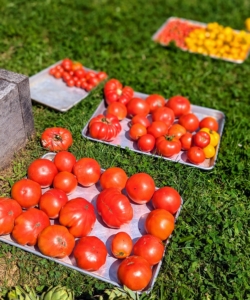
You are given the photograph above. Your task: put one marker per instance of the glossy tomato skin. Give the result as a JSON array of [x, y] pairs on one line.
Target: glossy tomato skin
[[134, 272], [164, 114], [201, 139], [79, 216], [209, 122], [42, 171], [157, 128], [141, 119], [114, 208], [140, 188], [186, 141], [179, 104], [168, 145], [90, 253], [154, 101], [117, 109], [167, 198], [121, 245], [52, 201], [64, 161], [26, 192], [113, 177], [65, 181], [190, 121], [137, 106], [160, 223], [146, 143], [29, 225], [56, 139], [56, 241], [136, 131], [114, 91], [150, 247], [196, 155], [87, 171], [10, 209], [177, 130]]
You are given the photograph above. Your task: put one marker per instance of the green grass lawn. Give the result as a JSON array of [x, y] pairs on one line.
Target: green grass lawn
[[208, 256]]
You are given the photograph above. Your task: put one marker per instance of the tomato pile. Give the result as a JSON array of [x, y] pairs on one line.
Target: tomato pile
[[75, 75]]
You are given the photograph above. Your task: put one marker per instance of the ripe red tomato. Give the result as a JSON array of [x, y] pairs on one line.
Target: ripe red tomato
[[56, 139], [136, 131], [209, 122], [56, 241], [117, 109], [140, 187], [29, 225], [134, 272], [90, 253], [179, 104], [157, 128], [189, 121], [52, 201], [64, 161], [146, 143], [154, 101], [79, 216], [87, 171], [160, 223], [102, 75], [177, 130], [137, 106], [201, 139], [42, 171], [168, 145], [10, 209], [65, 181], [26, 192], [114, 208], [186, 141], [67, 64], [164, 114], [150, 247], [114, 91], [113, 177], [167, 198], [196, 155], [140, 119], [121, 245], [70, 83]]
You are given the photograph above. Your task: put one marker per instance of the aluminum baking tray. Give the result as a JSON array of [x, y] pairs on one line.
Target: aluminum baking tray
[[200, 24], [135, 229], [123, 140], [54, 93]]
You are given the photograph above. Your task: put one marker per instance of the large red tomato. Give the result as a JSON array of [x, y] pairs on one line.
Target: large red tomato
[[114, 91], [117, 109], [52, 201], [56, 241], [154, 101], [79, 216], [157, 128], [177, 130], [42, 171], [190, 121], [29, 225], [56, 139], [64, 161], [87, 171], [26, 192], [168, 145], [179, 104], [201, 139], [114, 208], [137, 106], [196, 155], [146, 143], [65, 181], [141, 119], [134, 272], [186, 141], [150, 247], [164, 114], [121, 245], [90, 253], [10, 209], [167, 198], [136, 131], [140, 187], [113, 177], [209, 122]]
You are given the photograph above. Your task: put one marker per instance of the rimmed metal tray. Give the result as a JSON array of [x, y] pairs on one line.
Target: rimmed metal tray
[[135, 229], [123, 140], [54, 93], [158, 32]]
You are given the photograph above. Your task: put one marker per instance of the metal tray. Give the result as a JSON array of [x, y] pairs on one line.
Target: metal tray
[[52, 92], [155, 35], [135, 228], [123, 140]]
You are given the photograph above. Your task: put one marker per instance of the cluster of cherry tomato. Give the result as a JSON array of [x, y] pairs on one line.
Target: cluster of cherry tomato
[[75, 75]]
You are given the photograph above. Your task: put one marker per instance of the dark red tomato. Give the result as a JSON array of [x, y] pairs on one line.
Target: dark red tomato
[[10, 209], [186, 141], [89, 75], [79, 216], [56, 139], [177, 131], [164, 114], [209, 122], [134, 272], [154, 101], [136, 131], [201, 139], [196, 155], [52, 201], [65, 181], [90, 253], [114, 208], [168, 145], [140, 187], [117, 109], [167, 198], [56, 241], [93, 81], [140, 119], [150, 247], [42, 171], [26, 192], [102, 75], [127, 95], [29, 225], [157, 128], [121, 245], [67, 64], [87, 171], [179, 104], [146, 143], [189, 121], [64, 161], [113, 177], [79, 73], [137, 106]]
